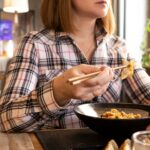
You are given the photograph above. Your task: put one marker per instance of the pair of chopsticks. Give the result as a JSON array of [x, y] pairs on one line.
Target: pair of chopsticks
[[79, 79]]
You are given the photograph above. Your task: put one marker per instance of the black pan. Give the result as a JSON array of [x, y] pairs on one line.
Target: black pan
[[123, 128]]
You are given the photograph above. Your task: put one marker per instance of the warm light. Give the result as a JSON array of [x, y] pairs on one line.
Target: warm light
[[19, 6], [9, 48]]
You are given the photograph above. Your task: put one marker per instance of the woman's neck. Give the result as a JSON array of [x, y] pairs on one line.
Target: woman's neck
[[84, 36], [84, 26]]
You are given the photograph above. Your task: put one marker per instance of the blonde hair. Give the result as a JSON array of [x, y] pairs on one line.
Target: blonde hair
[[56, 15]]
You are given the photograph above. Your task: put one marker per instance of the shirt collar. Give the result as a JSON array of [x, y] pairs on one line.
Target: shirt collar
[[100, 33]]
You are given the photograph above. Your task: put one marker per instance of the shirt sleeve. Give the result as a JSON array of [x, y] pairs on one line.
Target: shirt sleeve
[[137, 87], [22, 102]]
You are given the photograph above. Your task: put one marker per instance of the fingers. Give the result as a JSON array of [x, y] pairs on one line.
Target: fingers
[[90, 92], [95, 86], [89, 68], [103, 78], [99, 90], [86, 90]]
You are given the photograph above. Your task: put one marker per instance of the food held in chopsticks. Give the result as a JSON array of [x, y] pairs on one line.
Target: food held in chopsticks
[[79, 79], [128, 71], [116, 114]]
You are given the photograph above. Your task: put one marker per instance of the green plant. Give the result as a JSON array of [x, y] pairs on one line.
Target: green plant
[[146, 59], [145, 48]]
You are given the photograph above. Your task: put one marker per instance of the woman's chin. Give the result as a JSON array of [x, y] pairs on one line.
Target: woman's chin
[[101, 14]]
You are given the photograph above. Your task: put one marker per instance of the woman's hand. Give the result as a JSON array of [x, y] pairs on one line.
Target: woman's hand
[[64, 91]]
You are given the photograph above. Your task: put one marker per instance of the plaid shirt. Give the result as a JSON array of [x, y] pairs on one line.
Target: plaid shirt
[[27, 102]]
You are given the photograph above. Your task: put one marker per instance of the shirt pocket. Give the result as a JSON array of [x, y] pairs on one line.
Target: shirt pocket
[[50, 74]]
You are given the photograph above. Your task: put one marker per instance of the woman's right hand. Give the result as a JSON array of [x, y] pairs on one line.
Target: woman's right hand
[[87, 90]]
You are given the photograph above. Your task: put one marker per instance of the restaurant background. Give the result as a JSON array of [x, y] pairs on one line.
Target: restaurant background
[[130, 18], [25, 22]]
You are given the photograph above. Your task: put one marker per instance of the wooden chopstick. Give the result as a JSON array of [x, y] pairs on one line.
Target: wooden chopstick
[[79, 79]]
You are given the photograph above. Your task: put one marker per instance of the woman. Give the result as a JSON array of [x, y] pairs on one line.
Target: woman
[[77, 39]]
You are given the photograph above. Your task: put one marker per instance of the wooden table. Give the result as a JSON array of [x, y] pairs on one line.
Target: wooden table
[[60, 139], [20, 141]]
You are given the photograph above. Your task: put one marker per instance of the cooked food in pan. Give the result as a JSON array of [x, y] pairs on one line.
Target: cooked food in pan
[[116, 114]]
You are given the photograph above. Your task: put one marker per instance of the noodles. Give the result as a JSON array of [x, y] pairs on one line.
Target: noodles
[[116, 114]]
